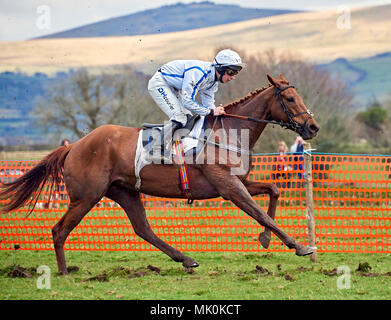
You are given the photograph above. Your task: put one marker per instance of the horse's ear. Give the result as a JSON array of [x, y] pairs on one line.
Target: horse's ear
[[282, 78], [272, 81]]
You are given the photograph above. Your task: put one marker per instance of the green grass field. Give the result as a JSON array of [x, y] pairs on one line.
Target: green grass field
[[124, 275], [221, 276]]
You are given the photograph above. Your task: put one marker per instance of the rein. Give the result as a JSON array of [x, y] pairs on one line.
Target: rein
[[219, 145], [287, 125]]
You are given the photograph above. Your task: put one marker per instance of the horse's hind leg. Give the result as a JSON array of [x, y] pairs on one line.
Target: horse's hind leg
[[75, 213], [255, 188], [131, 203]]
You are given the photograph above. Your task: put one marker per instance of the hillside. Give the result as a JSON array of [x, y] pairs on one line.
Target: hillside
[[170, 18], [367, 78], [314, 35], [18, 93], [361, 56]]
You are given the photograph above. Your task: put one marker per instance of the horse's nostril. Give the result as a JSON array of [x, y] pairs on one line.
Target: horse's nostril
[[314, 128]]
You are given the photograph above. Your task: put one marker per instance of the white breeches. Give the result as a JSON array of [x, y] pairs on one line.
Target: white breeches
[[167, 98]]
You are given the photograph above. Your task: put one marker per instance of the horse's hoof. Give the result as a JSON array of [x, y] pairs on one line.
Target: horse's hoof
[[63, 272], [304, 251], [190, 263], [264, 239]]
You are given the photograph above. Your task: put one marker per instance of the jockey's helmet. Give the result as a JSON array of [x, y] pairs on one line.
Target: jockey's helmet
[[227, 59]]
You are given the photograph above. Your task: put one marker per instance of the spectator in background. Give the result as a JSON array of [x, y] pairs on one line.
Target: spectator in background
[[282, 150], [282, 165], [65, 142], [298, 149], [298, 146]]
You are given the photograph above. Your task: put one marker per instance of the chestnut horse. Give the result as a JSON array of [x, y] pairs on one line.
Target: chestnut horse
[[102, 164]]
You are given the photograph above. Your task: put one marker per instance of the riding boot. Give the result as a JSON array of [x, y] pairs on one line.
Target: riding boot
[[165, 148], [167, 137]]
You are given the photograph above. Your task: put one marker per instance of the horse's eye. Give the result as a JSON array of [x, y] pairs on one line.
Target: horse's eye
[[290, 99]]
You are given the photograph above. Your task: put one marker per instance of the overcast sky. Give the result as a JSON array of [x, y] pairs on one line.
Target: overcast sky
[[20, 19]]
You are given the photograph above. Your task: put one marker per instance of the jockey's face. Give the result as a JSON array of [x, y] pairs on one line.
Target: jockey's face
[[227, 78]]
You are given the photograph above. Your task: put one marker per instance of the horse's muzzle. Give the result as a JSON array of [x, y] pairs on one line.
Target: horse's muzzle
[[309, 131]]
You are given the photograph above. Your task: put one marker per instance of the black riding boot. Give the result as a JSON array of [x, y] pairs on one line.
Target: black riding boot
[[168, 135], [164, 151]]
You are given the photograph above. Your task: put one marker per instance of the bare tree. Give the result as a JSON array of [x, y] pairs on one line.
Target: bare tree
[[85, 101]]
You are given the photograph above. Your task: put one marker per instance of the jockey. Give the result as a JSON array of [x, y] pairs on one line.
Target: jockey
[[176, 84]]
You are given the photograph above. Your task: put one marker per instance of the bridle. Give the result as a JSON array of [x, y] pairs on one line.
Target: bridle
[[291, 124]]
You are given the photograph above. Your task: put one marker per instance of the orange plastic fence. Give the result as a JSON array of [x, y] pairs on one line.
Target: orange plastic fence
[[352, 208]]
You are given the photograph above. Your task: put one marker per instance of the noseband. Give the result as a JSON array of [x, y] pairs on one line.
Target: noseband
[[292, 124]]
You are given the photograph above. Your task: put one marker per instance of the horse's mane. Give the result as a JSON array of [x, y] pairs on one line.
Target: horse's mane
[[245, 98]]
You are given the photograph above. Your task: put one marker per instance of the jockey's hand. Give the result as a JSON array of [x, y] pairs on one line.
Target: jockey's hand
[[218, 111]]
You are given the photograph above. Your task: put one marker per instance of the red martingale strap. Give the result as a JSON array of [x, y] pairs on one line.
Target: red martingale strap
[[183, 173]]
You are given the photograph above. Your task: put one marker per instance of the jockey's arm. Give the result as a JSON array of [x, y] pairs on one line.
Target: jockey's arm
[[207, 97], [190, 88]]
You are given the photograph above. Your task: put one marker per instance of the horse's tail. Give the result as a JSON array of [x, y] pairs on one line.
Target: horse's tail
[[28, 187]]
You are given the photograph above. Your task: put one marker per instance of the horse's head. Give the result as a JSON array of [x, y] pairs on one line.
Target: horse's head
[[288, 107]]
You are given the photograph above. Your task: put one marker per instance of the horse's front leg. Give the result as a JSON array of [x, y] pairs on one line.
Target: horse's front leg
[[230, 187], [255, 188]]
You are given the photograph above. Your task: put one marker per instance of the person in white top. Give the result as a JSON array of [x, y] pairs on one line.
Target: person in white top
[[176, 84]]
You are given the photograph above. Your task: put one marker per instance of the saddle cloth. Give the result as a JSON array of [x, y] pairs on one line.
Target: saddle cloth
[[191, 144]]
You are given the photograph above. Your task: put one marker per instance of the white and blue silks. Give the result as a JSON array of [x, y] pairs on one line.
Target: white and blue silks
[[176, 85]]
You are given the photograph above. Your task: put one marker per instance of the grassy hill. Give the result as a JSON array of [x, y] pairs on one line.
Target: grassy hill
[[368, 78], [314, 35], [170, 18], [18, 92]]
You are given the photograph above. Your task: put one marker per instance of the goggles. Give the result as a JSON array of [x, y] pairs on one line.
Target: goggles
[[231, 72]]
